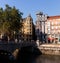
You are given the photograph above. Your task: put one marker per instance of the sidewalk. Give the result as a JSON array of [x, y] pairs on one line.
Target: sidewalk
[[50, 45]]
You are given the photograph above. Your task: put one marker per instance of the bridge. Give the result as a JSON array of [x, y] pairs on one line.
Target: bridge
[[53, 49], [13, 46]]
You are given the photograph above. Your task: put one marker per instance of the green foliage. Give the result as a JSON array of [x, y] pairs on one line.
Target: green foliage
[[10, 19]]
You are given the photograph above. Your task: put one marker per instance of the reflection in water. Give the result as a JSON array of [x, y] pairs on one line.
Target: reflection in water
[[26, 56], [48, 59], [41, 59]]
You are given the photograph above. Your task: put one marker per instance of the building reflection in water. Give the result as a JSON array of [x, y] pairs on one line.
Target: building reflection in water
[[41, 59], [28, 57], [48, 59], [25, 56]]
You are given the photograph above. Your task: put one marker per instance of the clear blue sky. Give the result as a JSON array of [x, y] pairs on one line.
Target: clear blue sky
[[50, 7]]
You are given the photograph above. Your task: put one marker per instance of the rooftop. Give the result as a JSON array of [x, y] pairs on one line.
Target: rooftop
[[54, 17]]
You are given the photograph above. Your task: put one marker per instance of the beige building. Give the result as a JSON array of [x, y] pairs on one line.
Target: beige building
[[27, 28]]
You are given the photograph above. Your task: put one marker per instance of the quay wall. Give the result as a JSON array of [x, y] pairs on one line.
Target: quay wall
[[51, 49]]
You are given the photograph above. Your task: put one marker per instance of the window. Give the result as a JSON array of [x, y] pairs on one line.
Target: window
[[48, 27], [30, 32], [54, 31], [48, 23], [52, 27], [52, 23], [56, 35], [56, 22], [48, 31], [56, 27]]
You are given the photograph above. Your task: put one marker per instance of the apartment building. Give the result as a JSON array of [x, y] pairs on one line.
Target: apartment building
[[53, 28], [27, 28], [40, 28], [49, 26]]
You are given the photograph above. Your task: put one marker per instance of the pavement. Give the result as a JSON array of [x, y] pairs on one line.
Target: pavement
[[50, 45]]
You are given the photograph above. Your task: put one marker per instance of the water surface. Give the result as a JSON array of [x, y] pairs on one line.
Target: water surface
[[47, 59]]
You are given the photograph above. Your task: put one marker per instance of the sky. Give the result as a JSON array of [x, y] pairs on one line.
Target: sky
[[50, 7]]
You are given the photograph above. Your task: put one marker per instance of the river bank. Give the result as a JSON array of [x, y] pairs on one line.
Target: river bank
[[50, 49]]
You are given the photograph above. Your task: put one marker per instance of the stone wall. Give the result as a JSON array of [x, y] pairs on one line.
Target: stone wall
[[52, 49]]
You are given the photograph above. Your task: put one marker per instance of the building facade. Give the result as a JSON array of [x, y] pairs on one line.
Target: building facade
[[27, 29], [47, 28], [41, 26], [53, 28]]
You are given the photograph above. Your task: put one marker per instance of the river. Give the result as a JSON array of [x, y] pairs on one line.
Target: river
[[27, 56], [47, 59], [41, 59]]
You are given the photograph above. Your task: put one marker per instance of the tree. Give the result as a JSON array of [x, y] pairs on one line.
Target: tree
[[10, 20], [1, 19]]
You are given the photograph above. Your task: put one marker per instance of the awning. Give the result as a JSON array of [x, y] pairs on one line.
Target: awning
[[49, 38]]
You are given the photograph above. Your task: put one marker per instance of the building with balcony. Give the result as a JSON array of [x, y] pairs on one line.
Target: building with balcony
[[41, 26], [47, 28], [27, 28], [53, 28]]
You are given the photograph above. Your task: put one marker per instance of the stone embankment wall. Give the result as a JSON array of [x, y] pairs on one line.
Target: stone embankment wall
[[52, 49]]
